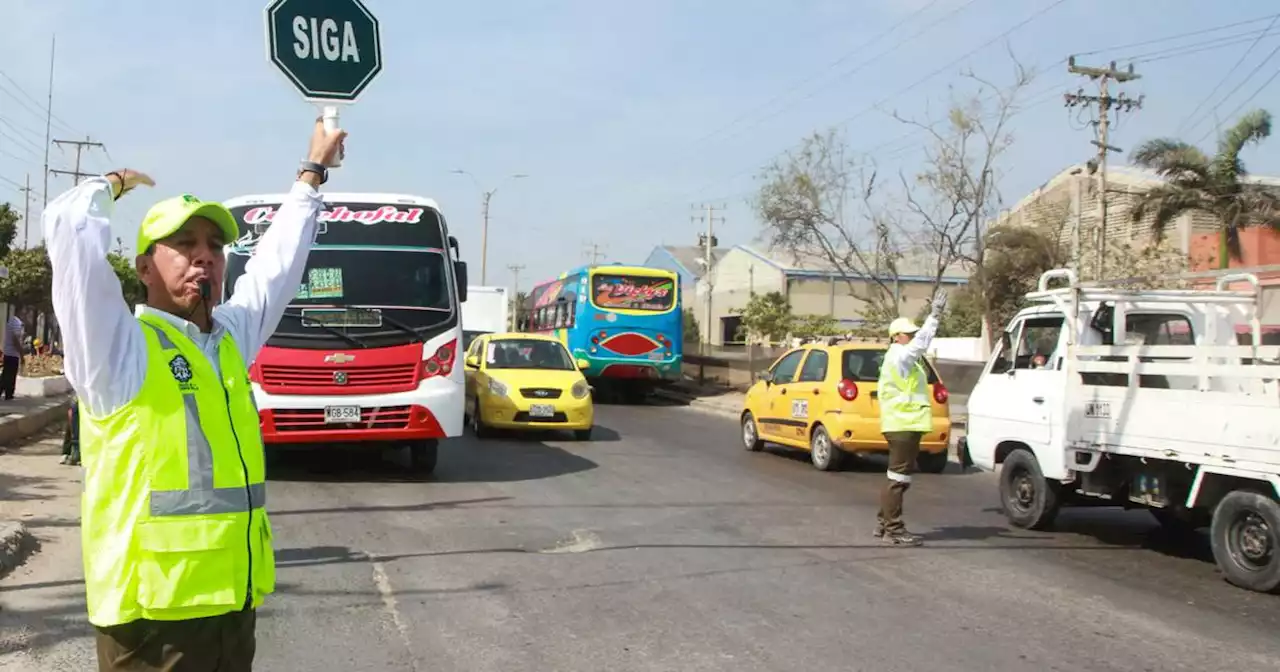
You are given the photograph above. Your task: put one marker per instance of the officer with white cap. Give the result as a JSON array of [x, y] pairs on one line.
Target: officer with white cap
[[906, 415]]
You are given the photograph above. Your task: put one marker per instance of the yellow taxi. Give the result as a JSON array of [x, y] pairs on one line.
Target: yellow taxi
[[821, 397], [526, 381]]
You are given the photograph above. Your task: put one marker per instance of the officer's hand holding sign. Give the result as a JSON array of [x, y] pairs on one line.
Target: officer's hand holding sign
[[177, 545]]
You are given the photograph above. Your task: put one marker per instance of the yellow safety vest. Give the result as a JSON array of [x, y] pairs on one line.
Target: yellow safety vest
[[173, 524], [904, 402]]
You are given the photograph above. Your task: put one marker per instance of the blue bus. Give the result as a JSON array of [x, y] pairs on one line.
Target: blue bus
[[624, 320]]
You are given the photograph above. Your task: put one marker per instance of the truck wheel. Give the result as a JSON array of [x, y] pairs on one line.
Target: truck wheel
[[824, 453], [751, 433], [1245, 536], [423, 456], [1029, 501], [932, 463]]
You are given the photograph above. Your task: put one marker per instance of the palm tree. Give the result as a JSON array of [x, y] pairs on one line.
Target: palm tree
[[1195, 181]]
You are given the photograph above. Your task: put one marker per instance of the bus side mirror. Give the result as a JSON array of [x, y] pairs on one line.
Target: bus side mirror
[[583, 365], [460, 274]]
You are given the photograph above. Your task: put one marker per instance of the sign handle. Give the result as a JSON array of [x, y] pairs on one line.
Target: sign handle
[[330, 117]]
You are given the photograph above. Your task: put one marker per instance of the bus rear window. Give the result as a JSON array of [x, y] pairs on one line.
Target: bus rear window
[[630, 292]]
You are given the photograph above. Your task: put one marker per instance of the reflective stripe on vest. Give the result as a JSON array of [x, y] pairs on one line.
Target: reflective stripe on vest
[[201, 497]]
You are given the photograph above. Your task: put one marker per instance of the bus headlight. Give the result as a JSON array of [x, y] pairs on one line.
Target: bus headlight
[[497, 388], [580, 390]]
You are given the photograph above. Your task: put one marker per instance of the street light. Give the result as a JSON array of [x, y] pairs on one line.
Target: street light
[[484, 215]]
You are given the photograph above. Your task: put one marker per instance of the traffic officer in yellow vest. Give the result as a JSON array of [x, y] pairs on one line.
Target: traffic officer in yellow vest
[[906, 415], [177, 547]]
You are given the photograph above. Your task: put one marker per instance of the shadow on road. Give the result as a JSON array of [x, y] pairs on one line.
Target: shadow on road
[[1133, 529], [461, 460]]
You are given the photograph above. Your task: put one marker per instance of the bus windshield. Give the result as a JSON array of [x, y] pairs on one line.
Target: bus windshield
[[612, 291], [390, 289]]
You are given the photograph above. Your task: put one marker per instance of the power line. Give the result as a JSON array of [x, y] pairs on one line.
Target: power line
[[1170, 38], [1247, 77], [1225, 77], [1246, 101], [80, 145], [1156, 57]]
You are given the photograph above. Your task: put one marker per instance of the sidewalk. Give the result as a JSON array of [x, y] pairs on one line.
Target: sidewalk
[[23, 495], [729, 402]]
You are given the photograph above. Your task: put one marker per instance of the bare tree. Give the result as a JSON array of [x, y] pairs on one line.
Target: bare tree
[[956, 196], [818, 203]]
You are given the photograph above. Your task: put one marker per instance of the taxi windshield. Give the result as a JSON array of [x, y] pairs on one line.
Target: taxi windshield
[[528, 353]]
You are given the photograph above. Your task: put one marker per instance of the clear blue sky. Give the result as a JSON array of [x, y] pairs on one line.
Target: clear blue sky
[[624, 114]]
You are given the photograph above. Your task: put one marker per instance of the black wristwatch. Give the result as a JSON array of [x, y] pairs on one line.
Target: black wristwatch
[[313, 167]]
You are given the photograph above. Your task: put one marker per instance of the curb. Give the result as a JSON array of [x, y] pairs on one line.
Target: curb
[[16, 427], [16, 545]]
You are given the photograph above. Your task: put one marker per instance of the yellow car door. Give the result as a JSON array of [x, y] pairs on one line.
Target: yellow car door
[[780, 422], [472, 372], [810, 396]]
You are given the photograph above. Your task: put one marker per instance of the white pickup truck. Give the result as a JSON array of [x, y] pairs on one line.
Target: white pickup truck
[[1139, 399]]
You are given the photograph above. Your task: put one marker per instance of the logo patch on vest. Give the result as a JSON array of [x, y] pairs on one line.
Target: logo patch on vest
[[181, 370]]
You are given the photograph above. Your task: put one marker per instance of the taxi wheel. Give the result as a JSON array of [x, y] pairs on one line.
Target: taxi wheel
[[582, 434], [932, 463], [750, 433], [824, 453], [478, 427]]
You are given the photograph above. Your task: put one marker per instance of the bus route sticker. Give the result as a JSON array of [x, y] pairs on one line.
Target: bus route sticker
[[800, 409], [324, 283]]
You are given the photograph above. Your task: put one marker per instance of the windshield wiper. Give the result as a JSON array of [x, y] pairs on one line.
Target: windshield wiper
[[336, 332], [417, 335]]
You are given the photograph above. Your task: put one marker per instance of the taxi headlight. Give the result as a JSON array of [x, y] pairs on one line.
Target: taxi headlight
[[580, 390], [497, 387]]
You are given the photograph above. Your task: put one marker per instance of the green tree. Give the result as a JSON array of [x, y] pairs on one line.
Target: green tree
[[30, 281], [1212, 184], [766, 316], [692, 332], [9, 219], [816, 326], [134, 291]]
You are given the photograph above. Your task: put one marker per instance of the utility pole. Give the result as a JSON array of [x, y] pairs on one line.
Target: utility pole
[[593, 251], [48, 119], [80, 145], [26, 213], [484, 217], [515, 294], [708, 243], [1105, 102]]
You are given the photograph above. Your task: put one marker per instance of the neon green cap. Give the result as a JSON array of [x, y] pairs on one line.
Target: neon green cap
[[167, 216]]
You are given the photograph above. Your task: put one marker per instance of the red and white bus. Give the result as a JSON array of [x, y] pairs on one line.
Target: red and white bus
[[368, 349]]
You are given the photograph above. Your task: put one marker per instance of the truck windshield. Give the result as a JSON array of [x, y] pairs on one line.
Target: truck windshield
[[364, 285], [631, 292]]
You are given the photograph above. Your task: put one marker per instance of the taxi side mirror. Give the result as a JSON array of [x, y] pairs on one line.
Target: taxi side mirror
[[472, 362], [583, 364], [765, 376]]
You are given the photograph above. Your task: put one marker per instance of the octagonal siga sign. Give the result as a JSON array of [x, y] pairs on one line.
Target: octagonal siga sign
[[329, 49]]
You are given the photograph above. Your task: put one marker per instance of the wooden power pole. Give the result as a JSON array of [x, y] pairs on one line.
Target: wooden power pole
[[1105, 102]]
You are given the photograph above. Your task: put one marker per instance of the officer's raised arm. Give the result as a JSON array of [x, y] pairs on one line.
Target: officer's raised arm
[[919, 344], [104, 352], [272, 275]]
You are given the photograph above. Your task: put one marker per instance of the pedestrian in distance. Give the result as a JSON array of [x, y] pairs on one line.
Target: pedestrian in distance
[[906, 415], [12, 347], [177, 546]]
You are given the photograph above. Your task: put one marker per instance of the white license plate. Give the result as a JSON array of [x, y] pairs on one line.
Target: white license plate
[[339, 414], [542, 411], [656, 356]]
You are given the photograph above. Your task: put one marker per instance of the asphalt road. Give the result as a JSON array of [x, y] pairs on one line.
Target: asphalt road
[[662, 545]]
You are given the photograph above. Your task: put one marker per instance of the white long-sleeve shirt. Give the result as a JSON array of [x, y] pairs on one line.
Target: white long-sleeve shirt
[[105, 352], [905, 357]]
